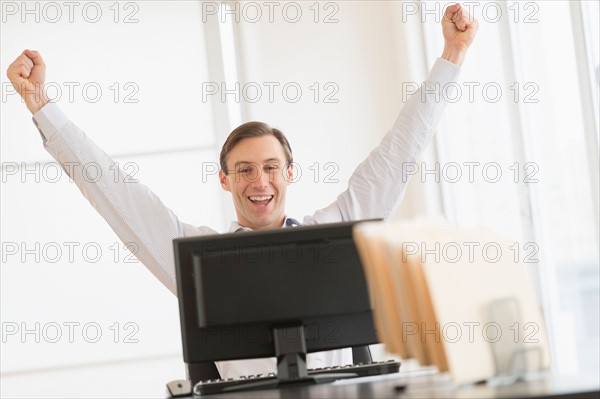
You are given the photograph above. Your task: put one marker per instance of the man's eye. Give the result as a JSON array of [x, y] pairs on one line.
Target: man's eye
[[271, 167], [244, 170]]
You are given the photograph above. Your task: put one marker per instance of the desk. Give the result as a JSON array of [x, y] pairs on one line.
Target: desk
[[432, 386]]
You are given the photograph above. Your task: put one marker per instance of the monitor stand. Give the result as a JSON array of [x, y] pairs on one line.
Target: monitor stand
[[290, 350]]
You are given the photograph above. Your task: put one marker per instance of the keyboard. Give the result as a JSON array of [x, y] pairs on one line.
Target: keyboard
[[209, 387]]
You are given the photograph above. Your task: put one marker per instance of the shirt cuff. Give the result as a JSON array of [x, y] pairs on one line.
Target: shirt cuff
[[49, 119], [444, 71]]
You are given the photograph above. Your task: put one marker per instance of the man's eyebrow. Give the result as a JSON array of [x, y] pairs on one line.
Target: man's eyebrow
[[250, 163]]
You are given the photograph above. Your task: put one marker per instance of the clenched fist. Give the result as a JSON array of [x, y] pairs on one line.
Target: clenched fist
[[459, 29], [27, 75]]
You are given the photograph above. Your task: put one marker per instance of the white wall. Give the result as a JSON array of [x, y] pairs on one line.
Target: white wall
[[360, 56], [165, 134]]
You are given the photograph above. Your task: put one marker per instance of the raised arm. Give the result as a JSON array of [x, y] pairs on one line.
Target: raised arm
[[131, 209], [379, 182]]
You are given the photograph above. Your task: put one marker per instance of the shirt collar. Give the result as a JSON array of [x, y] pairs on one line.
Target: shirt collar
[[288, 222]]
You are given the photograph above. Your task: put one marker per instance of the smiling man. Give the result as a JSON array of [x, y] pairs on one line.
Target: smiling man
[[256, 168]]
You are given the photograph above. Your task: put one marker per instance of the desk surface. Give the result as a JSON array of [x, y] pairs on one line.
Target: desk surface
[[432, 386]]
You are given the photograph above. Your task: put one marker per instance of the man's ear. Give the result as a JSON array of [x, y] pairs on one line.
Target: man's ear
[[224, 181], [290, 173]]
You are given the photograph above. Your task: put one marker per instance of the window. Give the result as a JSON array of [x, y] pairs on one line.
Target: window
[[532, 121]]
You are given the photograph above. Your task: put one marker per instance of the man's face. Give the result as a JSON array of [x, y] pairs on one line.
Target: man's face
[[257, 178]]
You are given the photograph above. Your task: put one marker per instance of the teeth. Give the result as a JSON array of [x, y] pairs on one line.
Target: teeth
[[260, 198]]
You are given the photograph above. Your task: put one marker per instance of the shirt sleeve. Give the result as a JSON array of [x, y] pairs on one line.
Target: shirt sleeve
[[378, 183], [131, 209]]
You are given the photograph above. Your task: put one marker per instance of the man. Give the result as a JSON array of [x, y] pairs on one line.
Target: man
[[256, 167]]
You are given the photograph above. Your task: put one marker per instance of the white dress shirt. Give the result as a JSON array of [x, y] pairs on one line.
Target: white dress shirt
[[137, 215]]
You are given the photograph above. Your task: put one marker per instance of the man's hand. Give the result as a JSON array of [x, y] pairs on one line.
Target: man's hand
[[459, 30], [27, 75]]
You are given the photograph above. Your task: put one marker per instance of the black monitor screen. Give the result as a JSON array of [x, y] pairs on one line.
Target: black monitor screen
[[235, 288]]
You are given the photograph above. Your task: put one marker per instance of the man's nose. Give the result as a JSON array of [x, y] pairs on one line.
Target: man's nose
[[261, 180]]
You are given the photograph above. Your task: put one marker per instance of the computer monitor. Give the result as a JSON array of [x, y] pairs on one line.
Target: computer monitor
[[268, 293]]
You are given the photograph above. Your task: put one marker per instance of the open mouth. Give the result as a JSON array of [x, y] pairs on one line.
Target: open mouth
[[261, 200]]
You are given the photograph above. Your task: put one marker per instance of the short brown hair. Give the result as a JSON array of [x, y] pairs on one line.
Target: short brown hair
[[251, 130]]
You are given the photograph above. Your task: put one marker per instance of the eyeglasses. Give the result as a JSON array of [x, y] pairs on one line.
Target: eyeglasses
[[253, 172]]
